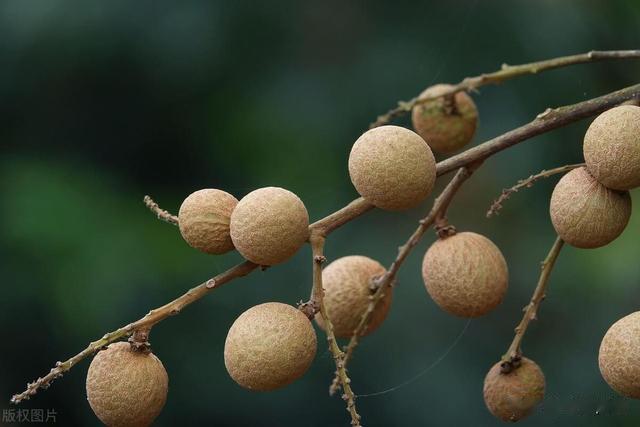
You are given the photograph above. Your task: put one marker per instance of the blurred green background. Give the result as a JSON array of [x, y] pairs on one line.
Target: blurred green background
[[104, 102]]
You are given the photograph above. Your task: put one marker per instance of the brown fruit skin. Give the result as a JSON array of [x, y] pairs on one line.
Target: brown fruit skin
[[126, 388], [269, 225], [465, 274], [346, 285], [204, 220], [447, 127], [585, 213], [269, 346], [392, 167], [513, 396], [619, 357], [612, 148]]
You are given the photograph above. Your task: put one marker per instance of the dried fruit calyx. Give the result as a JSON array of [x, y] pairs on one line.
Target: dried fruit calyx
[[126, 387], [513, 396], [269, 346], [612, 148], [347, 283], [585, 213], [465, 274], [392, 167], [204, 220], [447, 123], [619, 357], [269, 225]]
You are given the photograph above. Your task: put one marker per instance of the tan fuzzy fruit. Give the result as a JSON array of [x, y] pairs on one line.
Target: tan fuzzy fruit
[[392, 167], [346, 283], [204, 220], [125, 387], [585, 213], [269, 346], [612, 148], [269, 225], [465, 274], [447, 123], [513, 396], [619, 357]]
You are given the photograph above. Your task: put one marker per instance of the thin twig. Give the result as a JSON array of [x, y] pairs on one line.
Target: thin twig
[[527, 183], [160, 213], [505, 73], [317, 248], [512, 357], [146, 322], [384, 282]]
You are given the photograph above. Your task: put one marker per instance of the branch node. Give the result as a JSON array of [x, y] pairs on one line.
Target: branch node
[[309, 308], [544, 114], [512, 363], [139, 340], [443, 228]]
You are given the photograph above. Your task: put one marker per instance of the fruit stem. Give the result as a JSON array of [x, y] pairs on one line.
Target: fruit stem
[[317, 248], [139, 340], [382, 283], [511, 359]]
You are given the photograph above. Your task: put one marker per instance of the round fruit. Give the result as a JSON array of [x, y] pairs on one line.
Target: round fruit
[[513, 396], [585, 213], [269, 225], [619, 357], [392, 167], [269, 346], [347, 293], [204, 220], [447, 123], [465, 274], [612, 148], [126, 387]]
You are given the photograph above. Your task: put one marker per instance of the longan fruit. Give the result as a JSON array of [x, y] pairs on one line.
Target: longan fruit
[[619, 357], [392, 167], [204, 218], [347, 292], [269, 346], [513, 396], [585, 213], [126, 387], [612, 148], [465, 274], [447, 124], [269, 225]]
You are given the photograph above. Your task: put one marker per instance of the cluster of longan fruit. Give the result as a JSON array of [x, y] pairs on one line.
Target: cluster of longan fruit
[[273, 344], [590, 207]]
